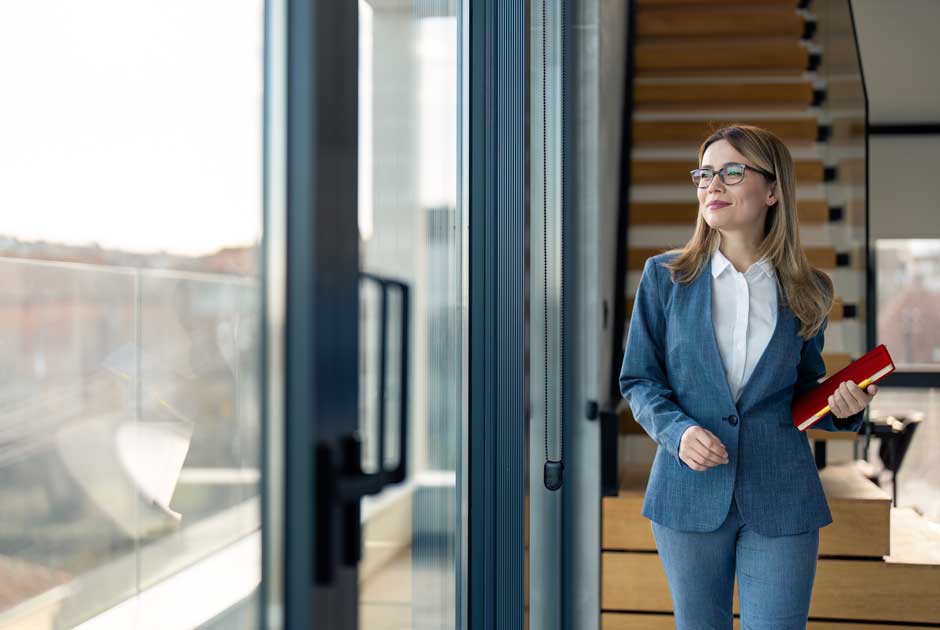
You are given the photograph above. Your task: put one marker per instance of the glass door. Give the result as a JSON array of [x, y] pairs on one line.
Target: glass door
[[130, 240], [412, 230]]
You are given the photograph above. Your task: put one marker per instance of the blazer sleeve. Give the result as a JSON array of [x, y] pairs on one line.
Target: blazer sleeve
[[643, 381], [811, 369]]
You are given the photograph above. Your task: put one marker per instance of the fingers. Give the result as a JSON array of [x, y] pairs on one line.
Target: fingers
[[710, 442], [848, 399], [854, 394], [704, 450], [707, 457]]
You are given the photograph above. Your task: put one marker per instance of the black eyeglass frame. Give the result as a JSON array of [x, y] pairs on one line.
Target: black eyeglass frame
[[721, 173]]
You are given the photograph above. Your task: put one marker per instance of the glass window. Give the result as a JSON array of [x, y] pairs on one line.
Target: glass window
[[909, 302], [130, 182], [412, 230]]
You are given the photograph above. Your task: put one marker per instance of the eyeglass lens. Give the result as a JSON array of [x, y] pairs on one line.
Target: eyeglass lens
[[730, 174]]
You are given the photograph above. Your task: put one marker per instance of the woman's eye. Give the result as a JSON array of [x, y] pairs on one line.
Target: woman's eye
[[735, 170]]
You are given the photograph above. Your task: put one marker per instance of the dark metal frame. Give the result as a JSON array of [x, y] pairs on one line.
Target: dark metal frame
[[320, 301], [904, 129], [497, 389], [610, 422], [623, 218]]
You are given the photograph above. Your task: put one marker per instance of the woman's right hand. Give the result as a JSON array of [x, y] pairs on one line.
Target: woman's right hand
[[701, 449]]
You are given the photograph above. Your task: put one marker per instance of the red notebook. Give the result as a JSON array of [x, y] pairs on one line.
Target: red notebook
[[812, 405]]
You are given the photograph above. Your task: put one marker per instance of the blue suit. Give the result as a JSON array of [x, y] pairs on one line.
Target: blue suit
[[673, 378]]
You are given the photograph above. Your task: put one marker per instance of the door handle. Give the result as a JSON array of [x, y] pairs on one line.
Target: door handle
[[610, 434], [342, 484]]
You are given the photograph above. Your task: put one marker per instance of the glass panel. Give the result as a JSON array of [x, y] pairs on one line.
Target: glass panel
[[129, 408], [909, 302], [411, 228]]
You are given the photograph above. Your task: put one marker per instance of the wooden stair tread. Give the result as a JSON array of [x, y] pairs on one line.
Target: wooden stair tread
[[803, 130], [753, 57], [840, 481], [674, 3], [846, 482], [677, 172], [718, 72], [682, 213], [900, 593], [830, 436], [646, 621], [861, 515], [670, 21]]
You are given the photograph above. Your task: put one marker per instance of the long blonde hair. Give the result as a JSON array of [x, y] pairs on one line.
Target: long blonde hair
[[807, 291]]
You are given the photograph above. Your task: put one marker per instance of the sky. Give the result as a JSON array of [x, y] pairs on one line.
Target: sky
[[137, 124], [133, 124]]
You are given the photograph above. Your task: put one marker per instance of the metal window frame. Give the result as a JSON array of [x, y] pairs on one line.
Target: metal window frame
[[497, 98]]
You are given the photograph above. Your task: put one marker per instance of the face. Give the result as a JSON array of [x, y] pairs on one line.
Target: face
[[746, 202]]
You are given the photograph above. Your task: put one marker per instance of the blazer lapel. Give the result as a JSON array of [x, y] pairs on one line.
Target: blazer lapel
[[713, 362]]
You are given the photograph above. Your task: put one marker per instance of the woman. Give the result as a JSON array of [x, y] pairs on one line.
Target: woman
[[725, 331]]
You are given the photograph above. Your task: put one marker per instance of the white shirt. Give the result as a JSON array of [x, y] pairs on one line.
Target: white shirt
[[744, 315]]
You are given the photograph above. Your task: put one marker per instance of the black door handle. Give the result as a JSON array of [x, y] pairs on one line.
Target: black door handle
[[610, 434], [343, 484]]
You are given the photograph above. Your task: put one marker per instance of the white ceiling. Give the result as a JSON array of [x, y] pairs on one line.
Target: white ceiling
[[900, 48]]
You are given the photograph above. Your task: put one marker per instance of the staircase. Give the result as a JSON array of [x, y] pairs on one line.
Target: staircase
[[698, 66], [791, 68], [877, 564]]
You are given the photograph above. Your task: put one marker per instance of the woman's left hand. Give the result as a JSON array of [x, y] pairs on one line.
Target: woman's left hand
[[849, 399]]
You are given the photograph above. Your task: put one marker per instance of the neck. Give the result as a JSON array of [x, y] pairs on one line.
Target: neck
[[738, 248]]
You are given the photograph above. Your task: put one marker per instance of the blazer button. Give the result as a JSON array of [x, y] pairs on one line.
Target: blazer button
[[733, 420]]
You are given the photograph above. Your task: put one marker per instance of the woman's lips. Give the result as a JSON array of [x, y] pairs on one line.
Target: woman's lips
[[714, 205]]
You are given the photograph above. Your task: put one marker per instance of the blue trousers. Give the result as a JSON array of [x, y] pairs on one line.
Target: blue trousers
[[775, 575]]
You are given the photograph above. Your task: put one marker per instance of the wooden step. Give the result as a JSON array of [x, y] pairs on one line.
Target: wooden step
[[640, 621], [653, 57], [899, 593], [672, 172], [821, 257], [736, 20], [694, 132], [831, 436], [835, 361], [810, 212], [675, 3], [715, 94], [860, 514]]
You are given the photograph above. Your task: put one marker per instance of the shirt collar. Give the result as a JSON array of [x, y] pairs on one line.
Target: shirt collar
[[720, 263]]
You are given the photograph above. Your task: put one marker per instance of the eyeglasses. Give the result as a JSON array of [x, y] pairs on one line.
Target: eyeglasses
[[730, 174]]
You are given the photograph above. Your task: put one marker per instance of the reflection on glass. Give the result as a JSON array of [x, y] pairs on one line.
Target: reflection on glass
[[129, 398], [411, 228], [130, 413]]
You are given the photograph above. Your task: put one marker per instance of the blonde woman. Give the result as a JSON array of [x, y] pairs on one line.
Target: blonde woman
[[725, 331]]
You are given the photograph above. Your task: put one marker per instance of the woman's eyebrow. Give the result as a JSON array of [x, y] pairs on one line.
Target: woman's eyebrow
[[710, 166]]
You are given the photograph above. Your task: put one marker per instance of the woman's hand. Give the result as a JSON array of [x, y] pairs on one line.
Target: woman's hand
[[700, 449], [849, 399]]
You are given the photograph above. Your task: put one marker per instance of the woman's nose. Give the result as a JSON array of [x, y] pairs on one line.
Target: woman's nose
[[716, 180]]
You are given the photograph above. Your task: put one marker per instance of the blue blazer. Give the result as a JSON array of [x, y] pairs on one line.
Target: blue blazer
[[673, 378]]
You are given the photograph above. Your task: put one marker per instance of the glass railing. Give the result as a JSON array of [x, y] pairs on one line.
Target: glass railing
[[130, 431]]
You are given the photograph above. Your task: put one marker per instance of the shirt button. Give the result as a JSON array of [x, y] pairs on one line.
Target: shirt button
[[733, 420]]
